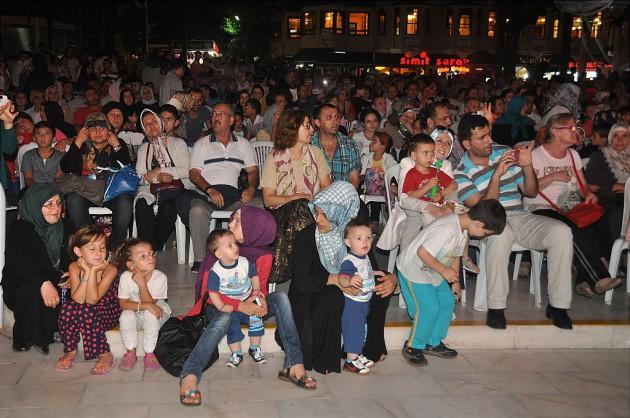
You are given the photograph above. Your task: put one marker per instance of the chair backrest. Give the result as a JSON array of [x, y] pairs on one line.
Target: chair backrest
[[391, 173], [20, 155], [626, 208], [261, 150]]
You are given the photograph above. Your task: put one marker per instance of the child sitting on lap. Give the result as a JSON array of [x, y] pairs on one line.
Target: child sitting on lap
[[235, 277]]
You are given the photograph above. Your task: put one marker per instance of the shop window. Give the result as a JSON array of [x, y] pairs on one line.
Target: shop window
[[449, 22], [381, 22], [576, 28], [539, 27], [596, 28], [397, 21], [556, 28], [412, 21], [464, 24], [308, 23], [332, 22], [293, 27], [492, 23], [358, 23]]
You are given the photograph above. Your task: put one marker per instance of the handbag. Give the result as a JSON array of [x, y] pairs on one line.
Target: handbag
[[171, 186], [120, 181], [177, 339], [90, 189], [583, 214]]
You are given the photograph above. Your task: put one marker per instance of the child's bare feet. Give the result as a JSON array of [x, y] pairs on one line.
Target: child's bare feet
[[65, 362], [104, 364]]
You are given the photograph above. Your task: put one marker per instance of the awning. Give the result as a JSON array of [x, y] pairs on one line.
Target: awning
[[369, 59]]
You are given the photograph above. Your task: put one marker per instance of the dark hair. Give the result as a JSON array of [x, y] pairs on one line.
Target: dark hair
[[85, 90], [624, 109], [255, 104], [602, 129], [431, 111], [493, 102], [212, 242], [122, 253], [23, 115], [417, 140], [386, 140], [44, 124], [287, 128], [177, 64], [84, 235], [169, 108], [318, 111], [505, 92], [468, 123], [368, 111], [354, 223], [491, 213], [196, 90]]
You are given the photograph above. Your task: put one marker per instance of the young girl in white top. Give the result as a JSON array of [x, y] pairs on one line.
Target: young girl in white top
[[142, 295], [374, 164]]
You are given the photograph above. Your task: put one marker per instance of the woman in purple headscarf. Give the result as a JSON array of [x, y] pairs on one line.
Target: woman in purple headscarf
[[255, 231]]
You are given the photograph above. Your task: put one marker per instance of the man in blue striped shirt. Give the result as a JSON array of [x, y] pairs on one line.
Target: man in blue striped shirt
[[491, 171]]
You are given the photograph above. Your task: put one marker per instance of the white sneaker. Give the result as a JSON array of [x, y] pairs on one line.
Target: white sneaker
[[366, 361], [234, 361], [356, 366], [257, 355]]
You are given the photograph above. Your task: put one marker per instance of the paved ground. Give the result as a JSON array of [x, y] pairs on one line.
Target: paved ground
[[491, 383]]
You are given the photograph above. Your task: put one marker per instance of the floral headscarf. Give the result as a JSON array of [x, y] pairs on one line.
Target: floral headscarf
[[619, 161]]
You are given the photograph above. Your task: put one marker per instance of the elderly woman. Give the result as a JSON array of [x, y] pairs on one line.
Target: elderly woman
[[163, 165], [97, 146], [294, 172], [607, 172], [254, 230], [562, 186], [514, 126], [36, 261], [315, 294]]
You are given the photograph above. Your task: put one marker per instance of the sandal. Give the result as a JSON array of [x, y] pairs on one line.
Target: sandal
[[305, 382], [103, 365], [191, 397], [64, 363], [470, 266]]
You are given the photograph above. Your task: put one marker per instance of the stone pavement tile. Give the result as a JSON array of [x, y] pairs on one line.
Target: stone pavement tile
[[591, 383], [518, 360], [396, 364], [494, 383], [247, 370], [348, 408], [7, 355], [102, 411], [348, 385], [159, 375], [261, 390], [230, 409], [136, 393], [79, 373], [47, 395], [487, 406], [560, 406], [598, 360], [4, 413], [394, 407], [10, 374]]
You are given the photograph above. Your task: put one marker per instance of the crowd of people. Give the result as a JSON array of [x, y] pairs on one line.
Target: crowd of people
[[504, 160]]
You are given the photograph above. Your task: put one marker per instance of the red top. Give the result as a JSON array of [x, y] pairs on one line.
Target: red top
[[414, 180]]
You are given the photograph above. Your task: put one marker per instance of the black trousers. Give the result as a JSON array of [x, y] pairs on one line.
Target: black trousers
[[152, 228]]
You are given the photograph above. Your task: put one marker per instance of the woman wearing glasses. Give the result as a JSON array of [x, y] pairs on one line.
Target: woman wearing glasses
[[562, 186], [36, 260]]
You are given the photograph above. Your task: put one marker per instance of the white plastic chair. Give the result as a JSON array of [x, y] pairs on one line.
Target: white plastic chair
[[481, 291], [620, 245], [392, 173], [261, 150], [20, 155]]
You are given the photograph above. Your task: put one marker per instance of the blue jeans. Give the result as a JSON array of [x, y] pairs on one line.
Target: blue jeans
[[234, 334], [218, 324], [278, 304], [353, 320]]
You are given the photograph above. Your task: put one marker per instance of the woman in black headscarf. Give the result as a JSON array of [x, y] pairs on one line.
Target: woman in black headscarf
[[36, 260], [54, 116]]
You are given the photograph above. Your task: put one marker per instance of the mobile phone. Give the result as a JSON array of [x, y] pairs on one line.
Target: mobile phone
[[4, 99], [257, 302], [517, 153]]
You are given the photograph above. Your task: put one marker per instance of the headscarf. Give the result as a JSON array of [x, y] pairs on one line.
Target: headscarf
[[54, 116], [259, 232], [513, 117], [126, 109], [340, 203], [268, 117], [567, 97], [151, 100], [618, 161], [31, 211]]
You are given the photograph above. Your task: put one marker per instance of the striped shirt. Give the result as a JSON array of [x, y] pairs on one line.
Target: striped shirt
[[345, 159], [473, 179]]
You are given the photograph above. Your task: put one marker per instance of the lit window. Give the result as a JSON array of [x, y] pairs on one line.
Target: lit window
[[576, 28], [412, 21], [556, 28], [539, 28], [358, 23], [397, 20], [596, 28], [464, 25], [381, 22], [333, 22], [293, 27], [308, 23], [449, 22], [492, 23]]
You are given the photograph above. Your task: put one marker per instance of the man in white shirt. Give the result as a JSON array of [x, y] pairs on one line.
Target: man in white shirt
[[215, 165], [37, 98]]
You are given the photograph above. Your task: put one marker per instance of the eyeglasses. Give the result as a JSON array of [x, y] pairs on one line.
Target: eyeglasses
[[51, 205], [577, 129]]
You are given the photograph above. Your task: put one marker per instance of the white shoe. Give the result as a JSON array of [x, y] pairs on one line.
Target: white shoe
[[366, 361]]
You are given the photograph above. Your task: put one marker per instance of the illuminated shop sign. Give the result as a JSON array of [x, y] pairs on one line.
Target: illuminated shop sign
[[443, 64], [590, 65]]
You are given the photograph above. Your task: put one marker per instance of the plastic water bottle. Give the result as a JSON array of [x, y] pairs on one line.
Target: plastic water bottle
[[156, 205]]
